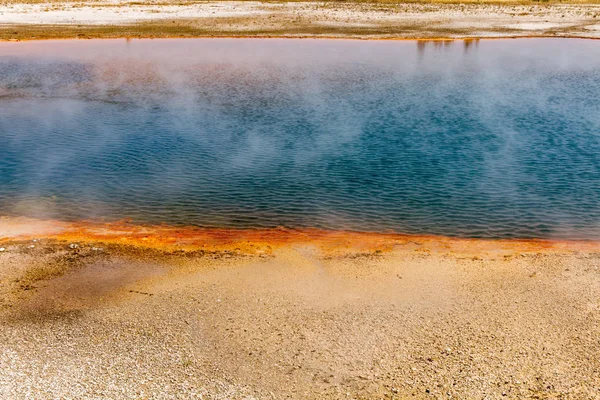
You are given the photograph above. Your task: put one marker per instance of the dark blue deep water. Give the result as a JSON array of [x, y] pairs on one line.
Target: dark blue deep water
[[484, 139]]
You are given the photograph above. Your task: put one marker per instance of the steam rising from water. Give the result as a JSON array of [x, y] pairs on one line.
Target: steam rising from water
[[500, 140]]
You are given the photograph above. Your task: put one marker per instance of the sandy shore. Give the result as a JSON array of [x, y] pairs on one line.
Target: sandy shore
[[122, 311], [26, 20]]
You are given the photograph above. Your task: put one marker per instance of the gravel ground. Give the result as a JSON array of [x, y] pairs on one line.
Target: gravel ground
[[417, 321]]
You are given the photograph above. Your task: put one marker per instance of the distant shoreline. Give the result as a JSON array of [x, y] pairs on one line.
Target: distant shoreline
[[350, 20], [399, 39]]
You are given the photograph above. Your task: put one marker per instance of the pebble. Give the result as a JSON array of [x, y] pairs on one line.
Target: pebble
[[73, 245], [2, 249]]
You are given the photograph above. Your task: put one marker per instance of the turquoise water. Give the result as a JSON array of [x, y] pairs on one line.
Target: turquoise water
[[482, 139]]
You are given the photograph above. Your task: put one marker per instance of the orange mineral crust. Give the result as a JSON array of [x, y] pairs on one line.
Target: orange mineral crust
[[169, 238]]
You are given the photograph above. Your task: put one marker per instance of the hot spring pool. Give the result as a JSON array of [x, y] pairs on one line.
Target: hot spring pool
[[497, 138]]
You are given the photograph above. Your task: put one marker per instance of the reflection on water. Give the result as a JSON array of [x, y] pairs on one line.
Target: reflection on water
[[437, 45], [470, 44], [490, 138]]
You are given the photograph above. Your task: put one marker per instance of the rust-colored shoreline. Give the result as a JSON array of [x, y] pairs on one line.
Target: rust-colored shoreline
[[169, 238]]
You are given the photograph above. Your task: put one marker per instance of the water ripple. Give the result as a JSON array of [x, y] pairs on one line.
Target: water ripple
[[482, 145]]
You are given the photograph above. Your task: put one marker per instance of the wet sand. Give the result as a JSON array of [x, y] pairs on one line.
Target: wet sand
[[30, 20], [122, 311]]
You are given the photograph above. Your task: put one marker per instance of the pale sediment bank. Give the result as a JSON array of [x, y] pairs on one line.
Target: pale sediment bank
[[123, 311], [25, 20]]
